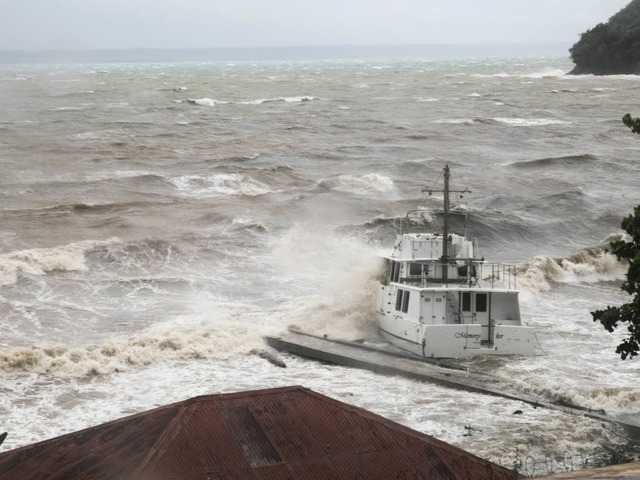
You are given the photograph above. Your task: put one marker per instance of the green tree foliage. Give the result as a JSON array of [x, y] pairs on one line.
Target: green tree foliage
[[629, 313], [612, 47], [632, 123]]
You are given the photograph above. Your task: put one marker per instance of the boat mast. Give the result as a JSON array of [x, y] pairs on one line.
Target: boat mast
[[445, 229]]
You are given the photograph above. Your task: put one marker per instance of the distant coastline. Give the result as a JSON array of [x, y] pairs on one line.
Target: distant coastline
[[302, 53]]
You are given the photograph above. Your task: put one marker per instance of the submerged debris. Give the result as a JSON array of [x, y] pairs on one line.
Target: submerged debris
[[470, 430], [272, 358]]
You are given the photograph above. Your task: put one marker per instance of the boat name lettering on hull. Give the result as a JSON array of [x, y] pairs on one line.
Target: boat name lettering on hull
[[475, 336]]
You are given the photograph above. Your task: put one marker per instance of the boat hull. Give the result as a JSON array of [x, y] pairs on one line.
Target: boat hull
[[458, 340]]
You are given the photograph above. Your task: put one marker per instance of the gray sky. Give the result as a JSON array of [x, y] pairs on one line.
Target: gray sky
[[105, 24]]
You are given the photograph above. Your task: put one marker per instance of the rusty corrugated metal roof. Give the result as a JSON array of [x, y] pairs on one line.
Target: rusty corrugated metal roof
[[279, 433]]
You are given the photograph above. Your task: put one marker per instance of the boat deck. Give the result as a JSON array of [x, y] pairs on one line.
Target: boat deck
[[387, 359]]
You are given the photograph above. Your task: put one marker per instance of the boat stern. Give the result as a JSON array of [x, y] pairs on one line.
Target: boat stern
[[466, 340]]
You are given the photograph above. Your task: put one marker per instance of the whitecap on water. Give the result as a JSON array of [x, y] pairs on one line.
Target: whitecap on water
[[531, 122], [361, 185], [207, 185]]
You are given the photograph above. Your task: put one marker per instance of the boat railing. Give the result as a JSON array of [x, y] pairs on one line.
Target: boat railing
[[493, 275], [504, 274]]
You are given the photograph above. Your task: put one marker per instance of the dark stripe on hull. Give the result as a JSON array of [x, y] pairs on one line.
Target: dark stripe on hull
[[399, 338], [411, 346]]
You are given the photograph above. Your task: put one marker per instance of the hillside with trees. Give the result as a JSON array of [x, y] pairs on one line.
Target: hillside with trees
[[610, 48]]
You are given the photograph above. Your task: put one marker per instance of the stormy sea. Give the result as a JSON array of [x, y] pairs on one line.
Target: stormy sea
[[158, 219]]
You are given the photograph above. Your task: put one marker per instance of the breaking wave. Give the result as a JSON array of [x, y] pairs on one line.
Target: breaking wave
[[512, 122], [40, 261], [456, 121], [591, 264], [381, 220], [612, 400], [571, 160], [304, 98], [360, 185], [205, 102], [545, 73], [531, 122], [209, 102], [231, 180], [123, 354], [219, 184]]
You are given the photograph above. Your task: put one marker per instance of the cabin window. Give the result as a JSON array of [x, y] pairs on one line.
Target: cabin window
[[481, 302], [463, 270], [466, 301], [405, 302], [418, 269], [395, 271], [402, 301], [399, 299]]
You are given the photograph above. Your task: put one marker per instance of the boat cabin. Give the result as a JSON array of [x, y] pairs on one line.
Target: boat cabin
[[439, 298]]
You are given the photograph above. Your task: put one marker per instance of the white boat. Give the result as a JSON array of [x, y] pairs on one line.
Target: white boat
[[440, 299]]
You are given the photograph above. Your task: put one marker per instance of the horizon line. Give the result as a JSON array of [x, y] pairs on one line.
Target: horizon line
[[295, 46], [432, 51]]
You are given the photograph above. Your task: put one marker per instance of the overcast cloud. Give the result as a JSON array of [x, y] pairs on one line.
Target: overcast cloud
[[107, 24]]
